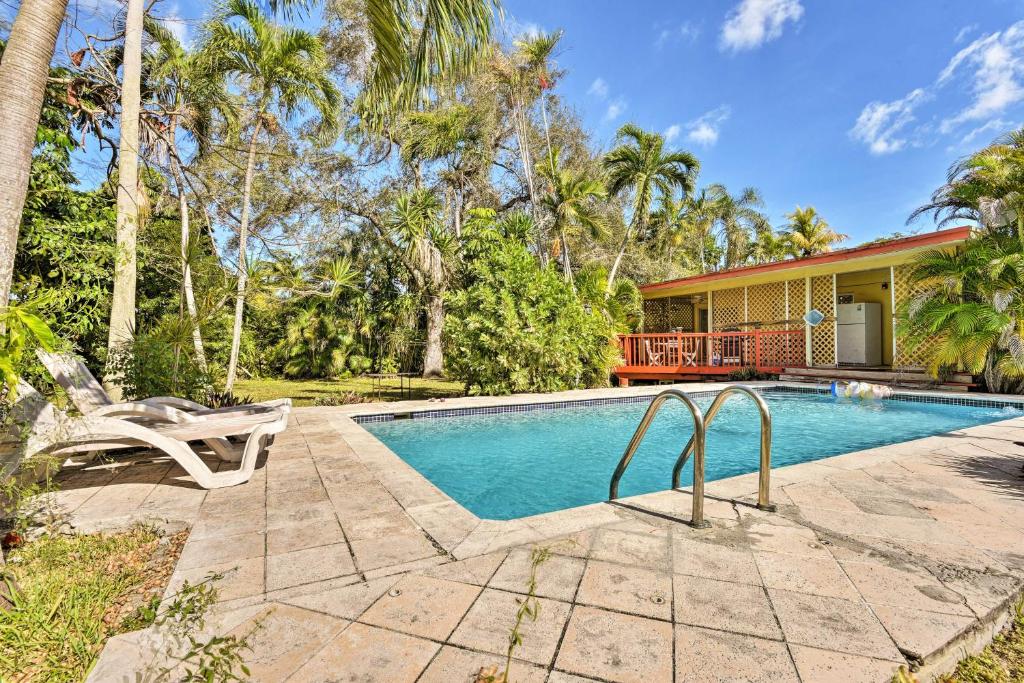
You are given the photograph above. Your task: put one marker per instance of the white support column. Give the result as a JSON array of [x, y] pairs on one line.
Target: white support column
[[892, 295], [711, 326], [746, 307], [808, 355], [785, 285], [835, 323]]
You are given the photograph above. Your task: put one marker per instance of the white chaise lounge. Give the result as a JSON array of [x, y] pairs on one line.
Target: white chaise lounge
[[89, 396], [41, 428]]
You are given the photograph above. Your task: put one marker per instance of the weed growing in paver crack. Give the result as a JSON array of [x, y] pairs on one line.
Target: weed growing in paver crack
[[217, 658], [529, 608]]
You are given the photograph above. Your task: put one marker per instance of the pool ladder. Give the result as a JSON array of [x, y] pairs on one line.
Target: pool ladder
[[696, 446]]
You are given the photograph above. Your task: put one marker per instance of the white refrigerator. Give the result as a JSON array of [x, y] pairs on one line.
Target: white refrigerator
[[859, 334]]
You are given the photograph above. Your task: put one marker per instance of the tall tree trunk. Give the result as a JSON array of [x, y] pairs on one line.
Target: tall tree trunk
[[618, 259], [433, 357], [186, 267], [243, 275], [566, 264], [23, 73], [122, 309]]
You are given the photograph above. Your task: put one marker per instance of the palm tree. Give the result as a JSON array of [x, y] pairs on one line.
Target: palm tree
[[740, 218], [419, 44], [279, 68], [572, 198], [971, 314], [807, 233], [640, 166], [122, 304], [525, 75], [987, 187], [23, 72], [768, 246], [700, 213], [415, 232], [458, 134], [189, 97]]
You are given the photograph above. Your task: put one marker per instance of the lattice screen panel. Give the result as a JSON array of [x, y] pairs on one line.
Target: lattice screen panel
[[797, 303], [823, 337], [664, 315], [727, 307], [766, 304], [905, 290]]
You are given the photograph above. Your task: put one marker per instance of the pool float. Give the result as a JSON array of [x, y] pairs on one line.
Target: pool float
[[862, 390]]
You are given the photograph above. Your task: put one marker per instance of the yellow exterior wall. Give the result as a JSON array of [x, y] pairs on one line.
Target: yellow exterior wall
[[867, 287]]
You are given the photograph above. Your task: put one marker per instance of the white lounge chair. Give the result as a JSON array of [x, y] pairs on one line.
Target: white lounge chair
[[40, 428], [89, 396], [91, 399]]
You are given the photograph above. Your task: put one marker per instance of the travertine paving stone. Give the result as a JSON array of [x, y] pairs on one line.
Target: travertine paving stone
[[616, 647], [422, 606], [363, 570], [645, 592], [557, 577], [704, 655], [487, 625], [368, 653], [724, 605]]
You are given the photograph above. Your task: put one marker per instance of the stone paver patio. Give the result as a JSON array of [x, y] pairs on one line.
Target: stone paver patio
[[361, 570]]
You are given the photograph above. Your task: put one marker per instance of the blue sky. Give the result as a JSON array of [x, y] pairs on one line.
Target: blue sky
[[855, 107]]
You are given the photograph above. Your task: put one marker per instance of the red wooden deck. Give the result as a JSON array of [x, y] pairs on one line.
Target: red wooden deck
[[675, 355]]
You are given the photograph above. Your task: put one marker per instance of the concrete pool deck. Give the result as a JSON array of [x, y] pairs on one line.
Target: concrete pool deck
[[359, 569]]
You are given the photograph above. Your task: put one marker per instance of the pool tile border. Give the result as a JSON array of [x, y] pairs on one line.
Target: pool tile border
[[428, 414]]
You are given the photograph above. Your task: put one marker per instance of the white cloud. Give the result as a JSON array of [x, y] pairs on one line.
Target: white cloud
[[686, 32], [994, 66], [755, 22], [880, 123], [516, 28], [615, 109], [672, 132], [964, 32], [176, 24], [992, 129], [599, 88], [989, 72], [704, 129]]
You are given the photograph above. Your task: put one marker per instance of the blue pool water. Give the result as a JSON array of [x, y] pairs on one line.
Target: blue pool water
[[512, 465]]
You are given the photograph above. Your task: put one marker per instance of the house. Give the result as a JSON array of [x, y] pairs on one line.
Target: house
[[761, 316]]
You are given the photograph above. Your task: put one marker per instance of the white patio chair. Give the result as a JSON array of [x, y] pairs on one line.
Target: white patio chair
[[653, 357], [40, 428]]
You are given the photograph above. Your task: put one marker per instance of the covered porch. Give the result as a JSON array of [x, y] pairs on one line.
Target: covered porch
[[835, 310]]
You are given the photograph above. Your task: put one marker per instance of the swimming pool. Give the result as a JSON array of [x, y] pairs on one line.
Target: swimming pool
[[528, 461]]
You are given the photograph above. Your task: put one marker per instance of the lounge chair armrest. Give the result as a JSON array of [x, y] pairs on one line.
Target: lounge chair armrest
[[142, 409], [174, 402]]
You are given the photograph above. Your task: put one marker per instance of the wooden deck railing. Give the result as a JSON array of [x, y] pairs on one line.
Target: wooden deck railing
[[712, 352]]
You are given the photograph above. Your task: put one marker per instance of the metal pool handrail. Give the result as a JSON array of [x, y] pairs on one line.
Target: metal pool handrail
[[764, 476], [696, 444]]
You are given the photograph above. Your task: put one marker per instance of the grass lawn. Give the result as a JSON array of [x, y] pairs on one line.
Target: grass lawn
[[1002, 661], [75, 592], [305, 392]]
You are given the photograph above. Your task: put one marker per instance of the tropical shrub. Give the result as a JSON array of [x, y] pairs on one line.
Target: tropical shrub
[[971, 314], [517, 327], [159, 363]]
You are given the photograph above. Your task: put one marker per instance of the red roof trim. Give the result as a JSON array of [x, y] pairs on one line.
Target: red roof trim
[[914, 242]]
